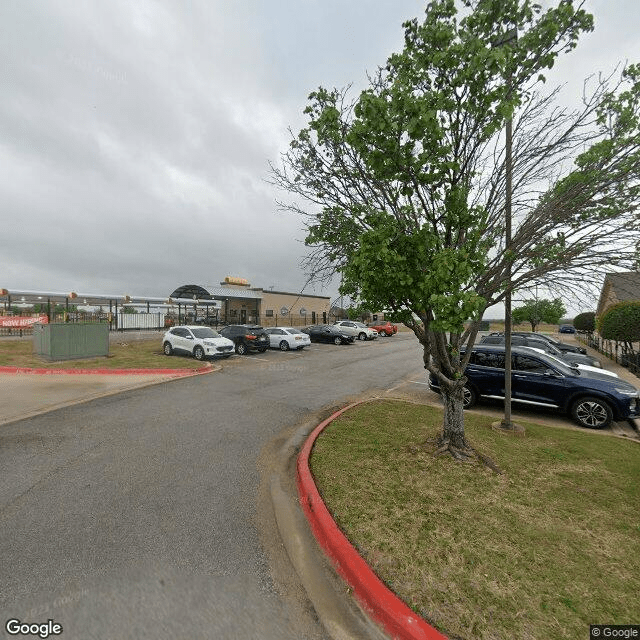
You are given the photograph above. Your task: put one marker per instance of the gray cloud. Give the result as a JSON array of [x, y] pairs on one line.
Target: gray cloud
[[136, 137]]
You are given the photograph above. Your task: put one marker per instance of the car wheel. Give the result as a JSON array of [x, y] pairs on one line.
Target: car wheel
[[362, 336], [470, 397], [284, 346], [592, 413], [198, 353], [241, 348], [382, 333], [168, 349], [337, 340]]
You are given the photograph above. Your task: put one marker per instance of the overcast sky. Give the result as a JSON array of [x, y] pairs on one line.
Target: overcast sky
[[135, 135]]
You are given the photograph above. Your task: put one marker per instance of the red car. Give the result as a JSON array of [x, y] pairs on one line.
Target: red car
[[384, 327]]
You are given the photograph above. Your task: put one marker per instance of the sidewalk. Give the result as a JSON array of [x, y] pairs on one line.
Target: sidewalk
[[28, 394]]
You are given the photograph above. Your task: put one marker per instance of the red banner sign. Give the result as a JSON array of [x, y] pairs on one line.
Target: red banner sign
[[22, 321]]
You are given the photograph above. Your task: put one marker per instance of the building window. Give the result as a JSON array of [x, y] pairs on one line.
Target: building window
[[269, 313]]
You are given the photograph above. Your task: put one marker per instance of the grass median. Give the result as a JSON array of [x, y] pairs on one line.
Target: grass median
[[136, 354], [541, 551]]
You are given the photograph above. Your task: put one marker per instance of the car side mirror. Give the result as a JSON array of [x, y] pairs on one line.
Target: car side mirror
[[189, 337], [550, 373]]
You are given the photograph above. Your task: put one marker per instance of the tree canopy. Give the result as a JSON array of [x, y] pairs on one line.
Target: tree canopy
[[402, 189], [536, 311]]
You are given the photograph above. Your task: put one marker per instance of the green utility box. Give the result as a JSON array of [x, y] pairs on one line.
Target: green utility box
[[71, 341]]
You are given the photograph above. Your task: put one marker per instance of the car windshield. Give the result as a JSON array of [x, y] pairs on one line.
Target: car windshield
[[293, 331], [361, 324], [205, 332]]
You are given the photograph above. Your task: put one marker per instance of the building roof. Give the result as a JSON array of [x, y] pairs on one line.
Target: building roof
[[196, 292], [625, 286]]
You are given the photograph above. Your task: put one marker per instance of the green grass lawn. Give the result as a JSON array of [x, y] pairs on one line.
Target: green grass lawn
[[542, 551], [143, 354]]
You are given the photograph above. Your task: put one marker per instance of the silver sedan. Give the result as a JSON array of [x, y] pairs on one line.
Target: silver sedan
[[285, 338]]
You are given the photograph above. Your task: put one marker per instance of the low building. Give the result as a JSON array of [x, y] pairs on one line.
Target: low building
[[618, 287], [235, 301]]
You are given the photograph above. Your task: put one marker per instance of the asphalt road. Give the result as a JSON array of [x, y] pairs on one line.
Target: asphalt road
[[138, 515]]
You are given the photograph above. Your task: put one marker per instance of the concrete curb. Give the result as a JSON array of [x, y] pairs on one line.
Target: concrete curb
[[104, 372], [381, 603]]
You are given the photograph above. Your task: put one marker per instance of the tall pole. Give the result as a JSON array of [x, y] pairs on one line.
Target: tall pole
[[506, 423], [507, 38]]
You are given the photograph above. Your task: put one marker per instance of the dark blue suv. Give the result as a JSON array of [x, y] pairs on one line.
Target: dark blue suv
[[594, 399]]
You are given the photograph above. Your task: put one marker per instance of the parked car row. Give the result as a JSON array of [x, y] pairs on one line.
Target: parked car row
[[205, 342], [546, 346]]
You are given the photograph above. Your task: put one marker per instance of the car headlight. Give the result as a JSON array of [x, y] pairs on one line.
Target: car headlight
[[627, 392], [209, 343]]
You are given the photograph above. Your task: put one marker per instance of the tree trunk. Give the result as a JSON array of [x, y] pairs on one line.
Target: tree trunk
[[453, 424]]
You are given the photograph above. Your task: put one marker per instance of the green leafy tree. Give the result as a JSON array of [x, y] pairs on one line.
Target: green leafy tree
[[621, 322], [537, 311], [585, 321], [403, 188]]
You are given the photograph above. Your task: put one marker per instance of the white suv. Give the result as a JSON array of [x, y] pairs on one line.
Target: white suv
[[357, 329], [200, 342]]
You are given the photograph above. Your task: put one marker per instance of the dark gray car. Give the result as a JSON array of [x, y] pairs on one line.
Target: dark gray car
[[540, 343]]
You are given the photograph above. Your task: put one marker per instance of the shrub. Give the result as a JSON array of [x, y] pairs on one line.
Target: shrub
[[621, 322], [585, 321]]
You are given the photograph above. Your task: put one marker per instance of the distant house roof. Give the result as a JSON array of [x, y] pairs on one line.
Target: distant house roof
[[619, 287]]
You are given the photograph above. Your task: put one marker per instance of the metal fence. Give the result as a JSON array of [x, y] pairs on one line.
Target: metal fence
[[120, 321], [161, 321], [620, 353]]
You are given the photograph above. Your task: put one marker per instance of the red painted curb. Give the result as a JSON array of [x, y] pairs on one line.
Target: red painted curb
[[175, 372], [384, 606]]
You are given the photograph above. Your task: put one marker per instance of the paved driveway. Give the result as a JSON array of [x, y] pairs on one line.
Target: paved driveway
[[136, 515]]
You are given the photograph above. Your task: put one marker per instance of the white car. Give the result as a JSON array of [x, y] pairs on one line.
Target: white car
[[198, 341], [285, 338], [357, 329]]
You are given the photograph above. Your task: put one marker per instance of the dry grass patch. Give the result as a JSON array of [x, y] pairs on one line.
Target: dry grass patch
[[137, 354], [542, 551]]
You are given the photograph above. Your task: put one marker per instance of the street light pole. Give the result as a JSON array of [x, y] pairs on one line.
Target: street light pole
[[506, 423], [509, 37]]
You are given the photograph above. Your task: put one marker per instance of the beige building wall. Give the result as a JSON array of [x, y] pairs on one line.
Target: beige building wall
[[608, 299], [282, 308], [275, 307]]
